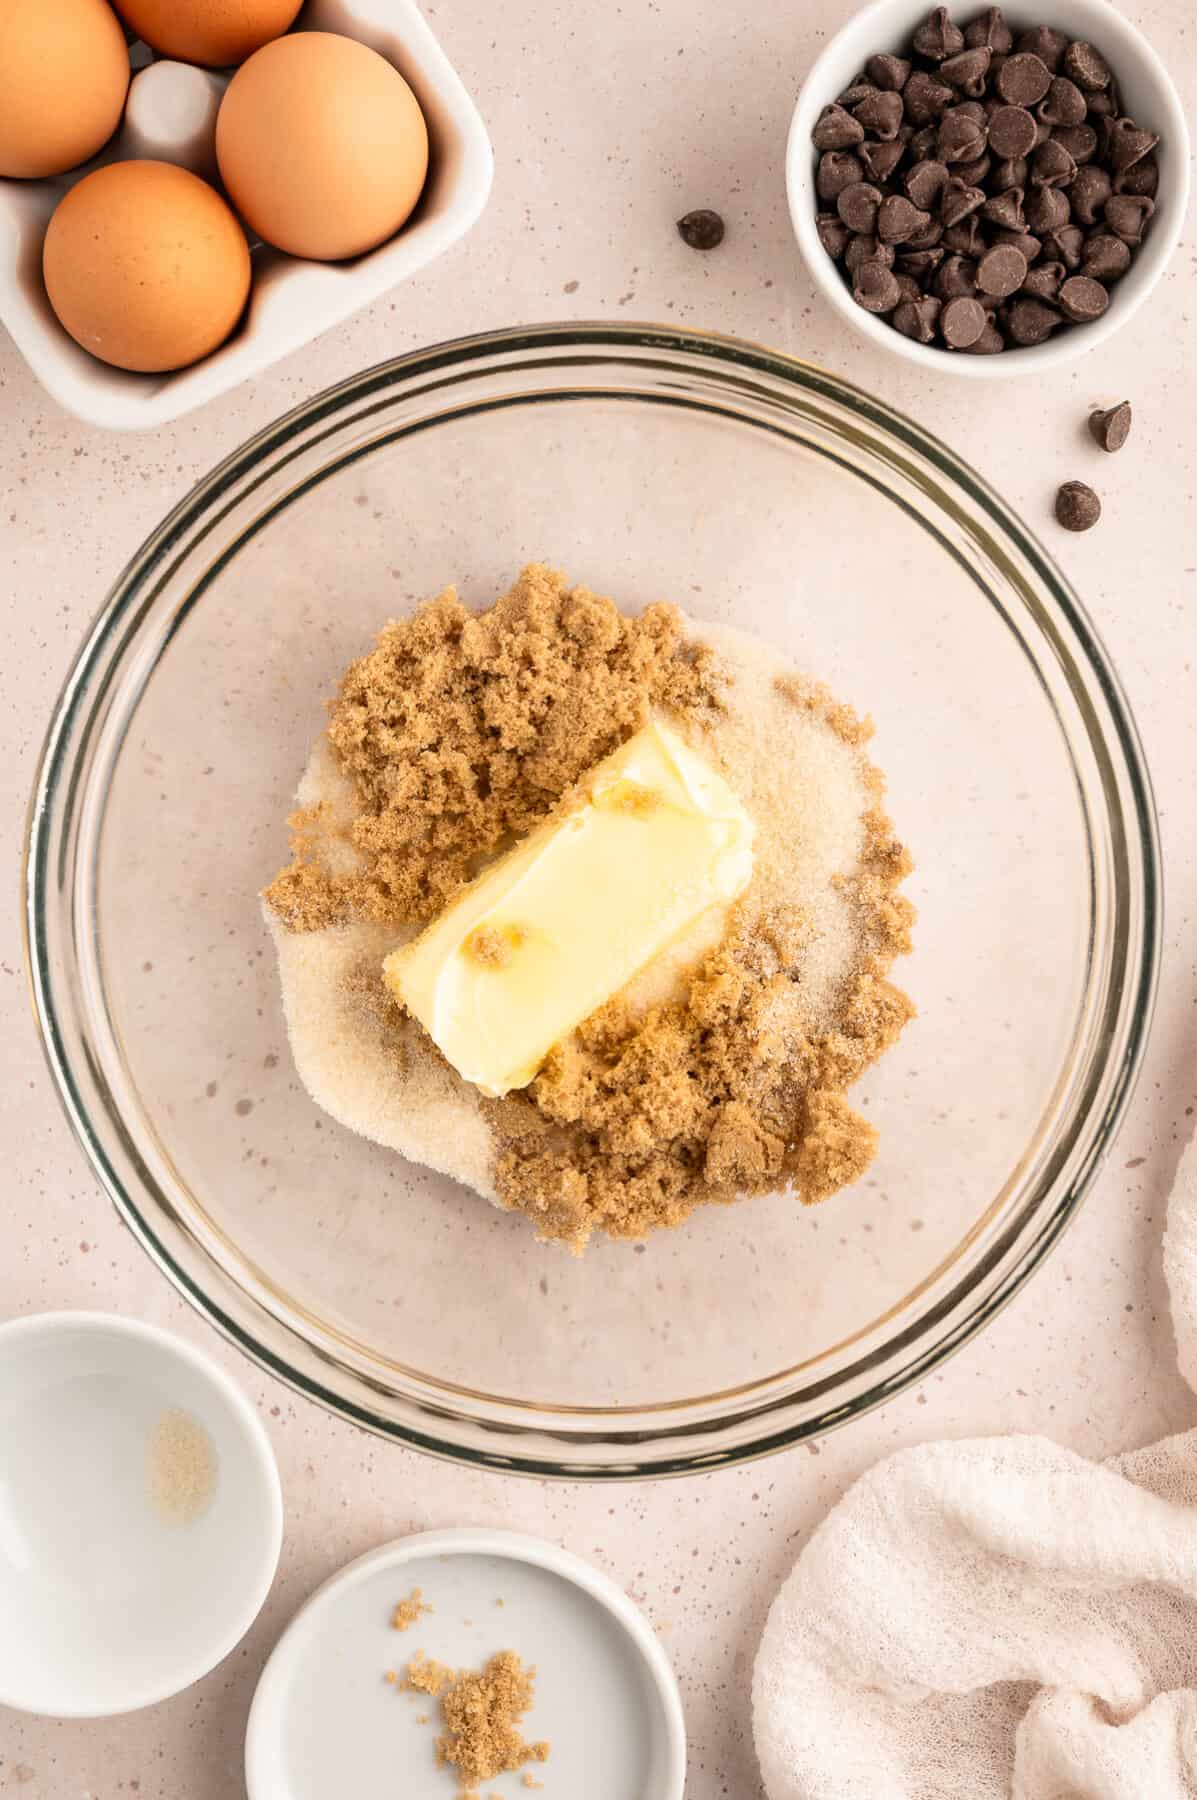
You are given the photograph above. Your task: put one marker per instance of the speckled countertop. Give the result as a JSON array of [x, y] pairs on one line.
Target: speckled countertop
[[608, 122]]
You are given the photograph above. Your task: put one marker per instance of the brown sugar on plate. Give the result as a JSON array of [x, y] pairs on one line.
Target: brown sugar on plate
[[410, 1611], [483, 1710]]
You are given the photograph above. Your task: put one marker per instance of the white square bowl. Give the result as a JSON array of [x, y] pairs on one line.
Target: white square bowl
[[292, 300]]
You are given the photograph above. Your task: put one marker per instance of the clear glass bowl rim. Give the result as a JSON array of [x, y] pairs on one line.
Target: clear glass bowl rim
[[589, 1443]]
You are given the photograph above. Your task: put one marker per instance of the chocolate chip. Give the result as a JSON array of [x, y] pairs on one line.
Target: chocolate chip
[[1128, 143], [1006, 210], [961, 322], [1127, 214], [1082, 299], [876, 287], [925, 181], [836, 129], [1142, 177], [1052, 166], [1013, 171], [882, 114], [924, 98], [880, 160], [956, 278], [921, 147], [1111, 428], [967, 71], [833, 234], [1088, 194], [1064, 103], [1047, 209], [990, 30], [1104, 104], [917, 319], [1106, 257], [908, 287], [1031, 322], [857, 205], [989, 342], [1087, 67], [973, 174], [921, 264], [837, 170], [1066, 244], [1080, 141], [888, 72], [1001, 271], [702, 229], [865, 247], [960, 138], [1077, 506], [859, 90], [1024, 79], [957, 201], [926, 240], [1011, 131], [1048, 45], [967, 238], [898, 219], [937, 37], [1044, 280], [1022, 240]]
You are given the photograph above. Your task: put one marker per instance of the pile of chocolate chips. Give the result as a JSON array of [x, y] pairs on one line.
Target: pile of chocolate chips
[[981, 190]]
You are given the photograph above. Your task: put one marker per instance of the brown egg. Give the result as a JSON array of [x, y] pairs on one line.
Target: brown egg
[[146, 266], [322, 145], [64, 73], [216, 32]]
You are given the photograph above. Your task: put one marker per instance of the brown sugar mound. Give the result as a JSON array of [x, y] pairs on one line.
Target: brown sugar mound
[[482, 1712], [461, 731]]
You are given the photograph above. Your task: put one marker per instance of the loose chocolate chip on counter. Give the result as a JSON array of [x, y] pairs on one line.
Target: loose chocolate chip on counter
[[865, 247], [1052, 166], [961, 322], [1063, 104], [880, 160], [1087, 67], [1043, 282], [1128, 143], [957, 201], [1047, 209], [1006, 210], [889, 72], [917, 319], [1077, 506], [898, 219], [1011, 131], [833, 234], [1110, 428], [1023, 80], [702, 229], [1088, 194], [1001, 271], [967, 71], [881, 113], [990, 30], [875, 287], [837, 170], [1127, 214], [924, 98], [857, 205], [1031, 322], [967, 238], [1048, 45], [956, 279], [1106, 257], [1080, 141], [989, 342], [836, 129], [925, 181], [937, 37], [1082, 299], [1142, 177], [1012, 171]]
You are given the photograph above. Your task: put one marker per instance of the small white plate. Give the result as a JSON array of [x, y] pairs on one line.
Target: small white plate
[[140, 1514], [326, 1723]]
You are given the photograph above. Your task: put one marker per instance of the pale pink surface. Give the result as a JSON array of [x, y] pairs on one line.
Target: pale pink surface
[[581, 225]]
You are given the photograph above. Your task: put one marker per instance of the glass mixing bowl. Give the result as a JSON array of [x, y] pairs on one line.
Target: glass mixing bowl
[[649, 464]]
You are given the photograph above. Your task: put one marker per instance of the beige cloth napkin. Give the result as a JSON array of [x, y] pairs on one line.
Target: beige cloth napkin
[[998, 1619]]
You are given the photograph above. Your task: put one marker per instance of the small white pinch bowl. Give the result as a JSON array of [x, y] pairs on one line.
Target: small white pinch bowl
[[1147, 94], [109, 1600], [292, 301]]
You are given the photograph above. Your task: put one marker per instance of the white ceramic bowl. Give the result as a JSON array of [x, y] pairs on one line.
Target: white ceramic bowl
[[1147, 94], [140, 1515], [325, 1721], [292, 301]]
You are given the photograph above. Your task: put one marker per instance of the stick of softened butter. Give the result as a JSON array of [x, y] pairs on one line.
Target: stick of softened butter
[[551, 931]]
